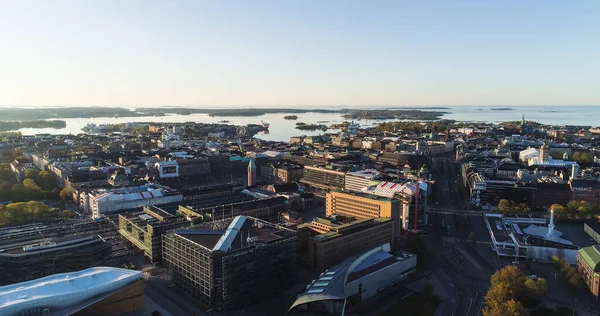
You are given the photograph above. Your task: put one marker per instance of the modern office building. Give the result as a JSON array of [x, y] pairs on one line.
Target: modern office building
[[363, 205], [230, 264], [94, 291], [194, 169], [145, 229], [356, 279], [588, 265], [329, 241], [413, 160], [357, 180], [323, 178]]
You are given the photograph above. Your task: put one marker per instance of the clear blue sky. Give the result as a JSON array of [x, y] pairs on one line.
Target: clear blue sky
[[310, 52]]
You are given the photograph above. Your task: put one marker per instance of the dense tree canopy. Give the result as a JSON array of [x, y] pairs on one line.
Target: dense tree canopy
[[569, 273], [511, 207], [509, 289], [36, 185], [23, 212], [575, 208], [583, 158]]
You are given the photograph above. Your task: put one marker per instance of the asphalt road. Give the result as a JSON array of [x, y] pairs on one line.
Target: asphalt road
[[454, 260]]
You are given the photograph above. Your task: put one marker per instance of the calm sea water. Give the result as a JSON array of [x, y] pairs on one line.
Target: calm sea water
[[281, 129]]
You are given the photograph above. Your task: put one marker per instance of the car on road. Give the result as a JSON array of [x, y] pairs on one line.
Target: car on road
[[516, 262], [533, 277]]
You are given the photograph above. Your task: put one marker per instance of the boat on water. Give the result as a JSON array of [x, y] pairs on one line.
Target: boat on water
[[264, 125]]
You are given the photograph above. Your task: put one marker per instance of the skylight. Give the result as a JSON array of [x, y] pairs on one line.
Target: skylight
[[314, 291], [321, 284]]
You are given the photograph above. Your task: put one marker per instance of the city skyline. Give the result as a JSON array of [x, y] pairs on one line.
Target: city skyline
[[287, 54]]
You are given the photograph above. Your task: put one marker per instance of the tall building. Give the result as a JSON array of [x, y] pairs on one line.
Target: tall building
[[332, 240], [544, 153], [588, 265], [251, 173], [94, 291], [231, 264], [362, 205]]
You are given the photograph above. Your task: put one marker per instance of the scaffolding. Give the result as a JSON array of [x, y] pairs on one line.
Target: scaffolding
[[145, 229], [229, 264]]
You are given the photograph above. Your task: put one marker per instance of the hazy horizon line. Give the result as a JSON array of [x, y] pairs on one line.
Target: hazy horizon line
[[294, 106]]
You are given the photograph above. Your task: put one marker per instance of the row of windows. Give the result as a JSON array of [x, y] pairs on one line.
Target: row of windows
[[355, 204]]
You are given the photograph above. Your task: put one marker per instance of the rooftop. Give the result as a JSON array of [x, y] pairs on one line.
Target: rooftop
[[330, 285], [591, 256], [151, 215], [63, 285], [366, 173], [50, 244], [338, 229], [234, 234], [146, 191], [376, 262], [365, 195]]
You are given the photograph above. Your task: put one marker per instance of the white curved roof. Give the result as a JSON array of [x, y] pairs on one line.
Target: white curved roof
[[64, 290]]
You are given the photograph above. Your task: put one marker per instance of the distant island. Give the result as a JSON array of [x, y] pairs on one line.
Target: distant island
[[405, 114], [418, 108], [310, 127], [291, 117], [15, 114], [502, 109], [15, 125]]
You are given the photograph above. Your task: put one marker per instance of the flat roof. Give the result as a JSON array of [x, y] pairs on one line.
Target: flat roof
[[365, 195], [50, 244], [233, 234], [499, 230], [341, 229]]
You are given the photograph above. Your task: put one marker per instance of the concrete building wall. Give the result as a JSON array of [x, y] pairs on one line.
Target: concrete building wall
[[327, 253], [128, 300], [591, 278], [544, 254], [359, 206]]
